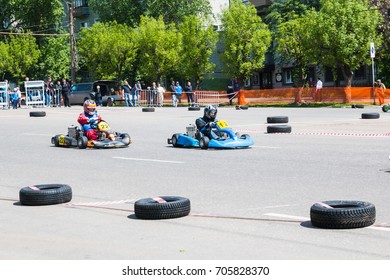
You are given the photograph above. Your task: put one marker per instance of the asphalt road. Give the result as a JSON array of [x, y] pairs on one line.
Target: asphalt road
[[245, 204]]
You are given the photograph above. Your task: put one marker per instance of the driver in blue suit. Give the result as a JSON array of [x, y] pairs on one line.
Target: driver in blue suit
[[206, 123]]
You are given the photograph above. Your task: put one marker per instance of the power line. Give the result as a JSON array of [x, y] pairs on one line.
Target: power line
[[32, 34]]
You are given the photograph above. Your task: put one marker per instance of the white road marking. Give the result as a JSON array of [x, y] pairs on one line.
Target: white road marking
[[153, 160], [266, 147]]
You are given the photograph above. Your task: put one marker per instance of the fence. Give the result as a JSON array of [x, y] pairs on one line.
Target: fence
[[4, 96], [35, 93]]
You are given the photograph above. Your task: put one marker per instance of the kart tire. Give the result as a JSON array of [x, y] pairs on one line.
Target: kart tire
[[204, 143], [193, 108], [126, 139], [56, 141], [172, 207], [82, 142], [341, 214], [357, 106], [244, 136], [277, 119], [385, 108], [241, 107], [175, 137], [45, 194], [278, 129], [148, 109], [370, 116], [37, 114]]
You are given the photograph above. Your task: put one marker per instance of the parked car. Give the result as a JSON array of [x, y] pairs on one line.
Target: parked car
[[83, 91]]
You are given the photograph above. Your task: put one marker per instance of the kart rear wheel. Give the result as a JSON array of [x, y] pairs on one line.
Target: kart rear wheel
[[385, 108], [82, 142], [204, 142], [175, 137], [126, 139], [57, 141]]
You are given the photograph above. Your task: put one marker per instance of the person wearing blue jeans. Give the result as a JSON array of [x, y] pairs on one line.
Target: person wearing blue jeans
[[127, 94], [136, 94]]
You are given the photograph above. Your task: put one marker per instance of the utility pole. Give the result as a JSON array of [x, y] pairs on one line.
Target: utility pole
[[72, 46]]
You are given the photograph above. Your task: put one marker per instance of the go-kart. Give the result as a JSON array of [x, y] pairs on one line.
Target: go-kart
[[106, 138], [222, 137]]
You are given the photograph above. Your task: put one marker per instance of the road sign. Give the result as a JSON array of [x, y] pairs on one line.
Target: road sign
[[372, 50]]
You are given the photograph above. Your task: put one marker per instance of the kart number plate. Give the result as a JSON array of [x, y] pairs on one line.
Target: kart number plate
[[222, 124], [61, 140], [103, 126]]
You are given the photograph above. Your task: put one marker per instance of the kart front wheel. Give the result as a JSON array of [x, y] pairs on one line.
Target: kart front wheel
[[82, 142], [385, 108], [175, 137], [204, 142]]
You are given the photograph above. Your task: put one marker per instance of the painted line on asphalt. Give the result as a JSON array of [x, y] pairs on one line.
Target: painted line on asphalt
[[151, 160], [382, 226], [266, 147]]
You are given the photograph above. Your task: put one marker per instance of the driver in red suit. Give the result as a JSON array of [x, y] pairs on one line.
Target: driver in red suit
[[89, 120]]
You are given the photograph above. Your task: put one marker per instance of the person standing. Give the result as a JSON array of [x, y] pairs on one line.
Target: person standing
[[190, 94], [127, 94], [57, 94], [230, 93], [179, 92], [380, 91], [65, 92], [160, 95], [173, 93], [136, 93], [318, 92], [153, 93]]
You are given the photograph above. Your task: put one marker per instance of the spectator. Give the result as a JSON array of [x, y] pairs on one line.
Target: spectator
[[318, 92], [230, 93], [15, 97], [136, 94], [179, 91], [160, 93], [190, 94], [173, 93], [380, 91], [98, 96], [127, 94], [49, 90], [58, 94], [65, 92], [153, 93]]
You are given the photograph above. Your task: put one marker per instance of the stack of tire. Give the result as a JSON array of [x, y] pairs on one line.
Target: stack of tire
[[278, 128]]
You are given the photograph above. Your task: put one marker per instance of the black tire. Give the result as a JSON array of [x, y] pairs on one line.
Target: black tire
[[151, 209], [175, 137], [358, 106], [45, 194], [82, 142], [193, 108], [110, 102], [277, 119], [204, 142], [385, 108], [370, 116], [244, 136], [126, 139], [37, 114], [278, 129], [341, 214], [148, 109], [56, 141], [241, 107]]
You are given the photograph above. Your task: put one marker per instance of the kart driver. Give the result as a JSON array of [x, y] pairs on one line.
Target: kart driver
[[206, 123], [89, 120]]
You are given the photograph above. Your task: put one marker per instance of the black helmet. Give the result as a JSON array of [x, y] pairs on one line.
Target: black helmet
[[210, 112]]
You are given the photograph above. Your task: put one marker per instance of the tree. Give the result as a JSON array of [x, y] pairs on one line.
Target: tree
[[199, 42], [160, 47], [246, 39], [341, 32], [108, 49], [23, 52], [4, 61]]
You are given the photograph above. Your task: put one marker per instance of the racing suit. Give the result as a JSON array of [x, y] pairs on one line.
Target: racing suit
[[205, 126], [89, 124]]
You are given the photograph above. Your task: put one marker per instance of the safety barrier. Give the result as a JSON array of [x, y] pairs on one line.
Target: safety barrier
[[35, 93], [4, 96]]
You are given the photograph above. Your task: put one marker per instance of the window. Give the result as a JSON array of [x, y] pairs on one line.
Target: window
[[84, 24], [288, 76], [80, 3]]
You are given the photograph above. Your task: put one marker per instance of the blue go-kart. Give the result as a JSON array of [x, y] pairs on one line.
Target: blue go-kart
[[222, 137]]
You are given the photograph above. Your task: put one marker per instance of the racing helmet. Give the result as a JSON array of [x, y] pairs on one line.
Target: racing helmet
[[210, 112], [89, 107]]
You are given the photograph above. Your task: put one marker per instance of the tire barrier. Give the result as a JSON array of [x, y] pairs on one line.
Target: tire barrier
[[163, 207], [241, 107], [277, 119], [342, 214], [45, 194], [278, 129], [37, 114], [194, 108], [370, 116], [148, 109], [357, 106]]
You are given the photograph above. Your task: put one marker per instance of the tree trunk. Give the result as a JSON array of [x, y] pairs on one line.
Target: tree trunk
[[347, 73]]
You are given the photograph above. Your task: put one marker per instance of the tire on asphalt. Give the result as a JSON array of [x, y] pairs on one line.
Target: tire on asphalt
[[148, 109], [163, 207], [82, 142], [204, 142], [342, 214], [193, 108], [241, 107], [174, 138], [278, 129], [277, 119], [47, 194], [370, 115], [37, 114], [357, 106]]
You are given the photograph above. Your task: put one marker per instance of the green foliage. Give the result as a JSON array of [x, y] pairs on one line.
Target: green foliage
[[23, 53], [4, 61], [199, 41], [246, 39], [160, 47], [108, 49]]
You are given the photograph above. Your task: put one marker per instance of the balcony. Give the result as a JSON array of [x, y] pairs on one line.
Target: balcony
[[81, 12]]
